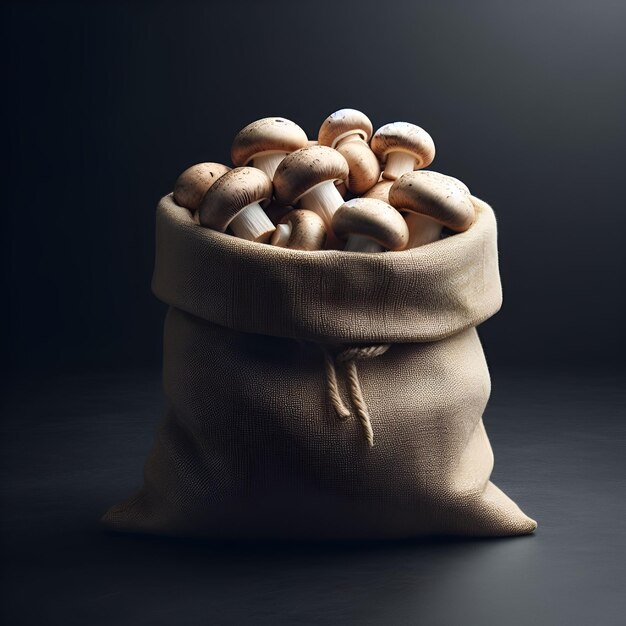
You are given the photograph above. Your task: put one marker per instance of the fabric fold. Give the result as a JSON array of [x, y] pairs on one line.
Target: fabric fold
[[422, 294]]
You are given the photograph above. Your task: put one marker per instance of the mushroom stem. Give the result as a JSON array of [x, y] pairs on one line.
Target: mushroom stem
[[398, 163], [268, 162], [422, 229], [324, 199], [360, 243], [281, 235], [252, 223]]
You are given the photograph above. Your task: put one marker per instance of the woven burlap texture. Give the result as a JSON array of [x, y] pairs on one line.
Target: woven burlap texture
[[251, 444]]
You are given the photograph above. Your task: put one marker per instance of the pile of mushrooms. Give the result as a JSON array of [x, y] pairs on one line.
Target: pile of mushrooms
[[351, 189]]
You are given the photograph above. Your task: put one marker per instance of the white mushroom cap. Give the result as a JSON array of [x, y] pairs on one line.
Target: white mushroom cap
[[194, 182], [300, 230], [407, 139], [435, 197], [363, 166], [266, 136], [371, 219], [304, 169], [343, 124], [232, 194], [439, 177]]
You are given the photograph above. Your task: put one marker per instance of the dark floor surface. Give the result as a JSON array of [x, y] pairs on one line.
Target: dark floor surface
[[71, 446]]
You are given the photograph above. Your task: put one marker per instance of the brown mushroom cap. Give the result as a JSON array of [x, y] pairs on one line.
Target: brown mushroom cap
[[363, 166], [380, 191], [303, 169], [337, 124], [231, 193], [436, 197], [194, 182], [404, 137], [374, 219], [271, 134], [308, 231]]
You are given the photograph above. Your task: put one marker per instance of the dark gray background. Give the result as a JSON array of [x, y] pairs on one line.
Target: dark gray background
[[109, 101]]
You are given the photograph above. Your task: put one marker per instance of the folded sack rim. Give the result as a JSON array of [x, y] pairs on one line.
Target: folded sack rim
[[203, 272]]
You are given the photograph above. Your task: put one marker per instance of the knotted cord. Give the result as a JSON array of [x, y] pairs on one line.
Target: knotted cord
[[348, 358]]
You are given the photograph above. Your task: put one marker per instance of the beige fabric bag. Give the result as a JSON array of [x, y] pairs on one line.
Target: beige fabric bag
[[281, 367]]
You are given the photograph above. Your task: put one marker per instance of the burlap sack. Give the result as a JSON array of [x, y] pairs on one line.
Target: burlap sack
[[271, 410]]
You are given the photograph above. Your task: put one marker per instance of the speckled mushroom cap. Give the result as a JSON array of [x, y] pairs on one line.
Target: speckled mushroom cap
[[404, 137], [438, 176], [308, 231], [271, 134], [380, 191], [374, 219], [305, 168], [338, 124], [194, 182], [363, 165], [231, 193], [440, 199]]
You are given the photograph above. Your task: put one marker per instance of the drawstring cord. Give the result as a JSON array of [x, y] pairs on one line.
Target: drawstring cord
[[348, 357]]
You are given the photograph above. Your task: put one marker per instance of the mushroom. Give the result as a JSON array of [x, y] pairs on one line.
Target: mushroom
[[438, 176], [432, 201], [194, 182], [402, 147], [307, 176], [344, 126], [363, 166], [300, 230], [457, 182], [370, 225], [380, 191], [264, 143], [234, 201]]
